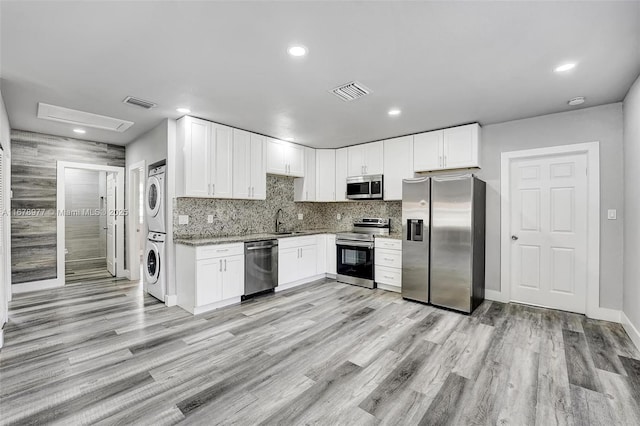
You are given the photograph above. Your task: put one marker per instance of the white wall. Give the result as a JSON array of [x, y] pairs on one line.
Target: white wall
[[602, 124], [631, 108], [5, 262]]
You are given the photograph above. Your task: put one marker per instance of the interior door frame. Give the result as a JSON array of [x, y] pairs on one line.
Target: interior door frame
[[120, 197], [592, 151], [133, 197]]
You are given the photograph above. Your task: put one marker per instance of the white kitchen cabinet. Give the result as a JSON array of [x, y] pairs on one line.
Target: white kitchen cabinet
[[206, 166], [210, 276], [305, 188], [341, 174], [427, 151], [249, 174], [331, 251], [453, 148], [365, 159], [284, 158], [388, 264], [325, 176], [398, 165], [297, 260]]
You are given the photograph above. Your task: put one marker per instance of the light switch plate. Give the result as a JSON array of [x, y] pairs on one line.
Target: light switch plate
[[338, 216], [210, 218], [300, 216], [612, 214], [183, 219]]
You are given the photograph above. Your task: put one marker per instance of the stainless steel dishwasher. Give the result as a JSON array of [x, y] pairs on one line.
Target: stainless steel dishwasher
[[260, 266]]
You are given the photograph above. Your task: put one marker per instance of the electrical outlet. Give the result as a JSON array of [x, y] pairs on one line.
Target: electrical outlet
[[210, 218], [183, 219], [612, 214], [338, 216], [300, 216]]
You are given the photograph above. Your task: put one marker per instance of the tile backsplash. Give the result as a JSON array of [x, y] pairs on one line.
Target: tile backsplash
[[236, 217]]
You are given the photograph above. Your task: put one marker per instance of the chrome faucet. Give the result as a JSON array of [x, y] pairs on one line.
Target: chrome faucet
[[278, 222]]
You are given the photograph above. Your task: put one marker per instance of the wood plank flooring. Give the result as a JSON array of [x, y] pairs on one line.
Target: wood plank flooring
[[102, 352]]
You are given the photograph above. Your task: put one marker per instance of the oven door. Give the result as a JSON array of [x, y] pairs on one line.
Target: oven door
[[355, 263]]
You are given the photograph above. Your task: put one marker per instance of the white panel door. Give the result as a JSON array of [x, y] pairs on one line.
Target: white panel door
[[288, 261], [549, 231], [398, 165], [233, 277], [241, 164], [308, 262], [427, 151], [331, 254], [111, 223], [208, 281], [373, 158], [258, 168], [197, 157], [341, 174], [325, 175], [461, 146]]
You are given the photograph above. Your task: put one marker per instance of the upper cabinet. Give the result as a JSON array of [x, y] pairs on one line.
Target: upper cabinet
[[398, 165], [249, 166], [284, 158], [365, 159], [326, 175], [206, 150], [305, 188], [454, 148], [341, 173]]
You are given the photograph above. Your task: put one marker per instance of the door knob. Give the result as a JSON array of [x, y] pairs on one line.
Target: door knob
[[514, 237]]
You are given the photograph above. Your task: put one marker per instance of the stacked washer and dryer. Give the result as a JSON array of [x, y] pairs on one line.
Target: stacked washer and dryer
[[154, 256]]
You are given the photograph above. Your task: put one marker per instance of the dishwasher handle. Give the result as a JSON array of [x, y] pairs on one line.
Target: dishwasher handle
[[261, 247]]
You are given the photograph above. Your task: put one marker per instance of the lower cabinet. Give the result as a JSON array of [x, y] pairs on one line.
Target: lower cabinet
[[331, 255], [388, 264], [297, 260], [209, 277]]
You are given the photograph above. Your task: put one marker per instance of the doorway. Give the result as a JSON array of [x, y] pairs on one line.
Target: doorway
[[550, 238], [90, 202], [136, 227]]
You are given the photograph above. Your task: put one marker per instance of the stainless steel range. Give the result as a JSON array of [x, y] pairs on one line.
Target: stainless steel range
[[355, 251]]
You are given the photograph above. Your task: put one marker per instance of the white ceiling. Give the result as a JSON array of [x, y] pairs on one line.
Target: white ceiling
[[441, 63]]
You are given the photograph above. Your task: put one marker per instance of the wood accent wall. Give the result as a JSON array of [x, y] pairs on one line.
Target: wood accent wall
[[34, 158]]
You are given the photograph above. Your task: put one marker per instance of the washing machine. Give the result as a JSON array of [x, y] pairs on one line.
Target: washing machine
[[155, 195], [154, 268]]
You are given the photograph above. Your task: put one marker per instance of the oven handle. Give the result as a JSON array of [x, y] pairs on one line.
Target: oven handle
[[354, 244]]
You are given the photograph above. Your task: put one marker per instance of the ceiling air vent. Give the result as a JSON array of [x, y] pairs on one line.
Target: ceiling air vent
[[351, 91], [139, 102], [81, 118]]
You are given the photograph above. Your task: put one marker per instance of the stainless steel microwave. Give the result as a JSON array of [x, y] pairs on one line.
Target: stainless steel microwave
[[364, 187]]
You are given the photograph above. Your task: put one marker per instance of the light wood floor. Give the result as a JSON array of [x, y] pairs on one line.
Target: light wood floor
[[327, 353]]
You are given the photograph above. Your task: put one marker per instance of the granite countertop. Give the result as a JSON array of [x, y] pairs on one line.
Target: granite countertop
[[208, 240]]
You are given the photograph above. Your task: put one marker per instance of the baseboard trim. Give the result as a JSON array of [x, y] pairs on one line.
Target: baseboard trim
[[287, 286], [171, 299], [631, 330], [605, 314], [495, 295], [1, 337], [388, 287], [36, 286]]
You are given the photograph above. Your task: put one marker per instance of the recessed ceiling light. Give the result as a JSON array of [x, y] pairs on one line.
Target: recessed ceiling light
[[576, 101], [394, 111], [297, 50], [565, 67], [81, 131], [183, 110]]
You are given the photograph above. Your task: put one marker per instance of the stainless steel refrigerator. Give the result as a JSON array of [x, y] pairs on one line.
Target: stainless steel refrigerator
[[457, 242], [443, 225], [415, 238]]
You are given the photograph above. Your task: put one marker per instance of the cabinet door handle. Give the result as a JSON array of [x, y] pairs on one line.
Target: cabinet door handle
[[213, 189], [388, 277], [445, 161], [253, 191], [225, 265], [307, 195], [249, 191], [220, 265]]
